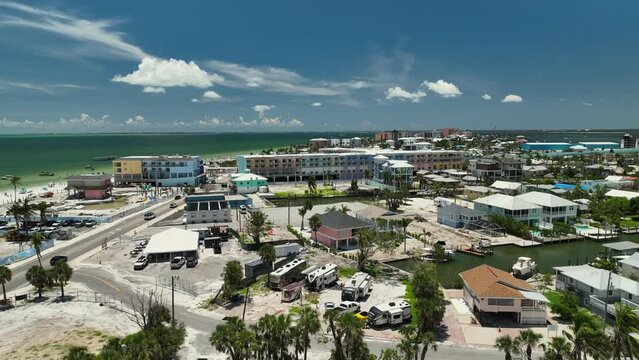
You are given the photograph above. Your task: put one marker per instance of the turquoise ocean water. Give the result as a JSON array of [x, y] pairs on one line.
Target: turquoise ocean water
[[65, 154]]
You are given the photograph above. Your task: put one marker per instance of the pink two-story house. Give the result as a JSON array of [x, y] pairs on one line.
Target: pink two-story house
[[338, 230]]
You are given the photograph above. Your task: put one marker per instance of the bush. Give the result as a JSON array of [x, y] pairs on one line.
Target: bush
[[565, 306]]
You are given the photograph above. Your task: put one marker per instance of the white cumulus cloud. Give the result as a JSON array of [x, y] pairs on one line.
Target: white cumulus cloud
[[262, 108], [136, 120], [316, 104], [154, 90], [587, 104], [211, 95], [403, 95], [168, 73], [86, 120], [295, 122], [511, 98], [442, 88], [486, 97]]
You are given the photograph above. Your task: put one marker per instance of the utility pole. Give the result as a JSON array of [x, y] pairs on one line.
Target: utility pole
[[245, 301], [605, 315], [172, 300], [288, 198]]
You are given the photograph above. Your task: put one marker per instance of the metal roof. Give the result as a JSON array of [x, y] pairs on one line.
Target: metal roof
[[172, 240], [340, 221]]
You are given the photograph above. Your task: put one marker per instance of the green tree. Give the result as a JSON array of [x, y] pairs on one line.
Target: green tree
[[268, 256], [26, 212], [307, 323], [232, 276], [558, 348], [42, 208], [370, 241], [308, 206], [405, 222], [429, 303], [348, 336], [273, 335], [587, 336], [39, 278], [315, 224], [78, 353], [5, 277], [624, 328], [14, 181], [354, 187], [311, 182], [233, 338], [508, 345], [566, 306], [530, 339], [36, 241], [258, 225], [415, 344], [61, 274], [15, 210], [344, 209], [394, 199]]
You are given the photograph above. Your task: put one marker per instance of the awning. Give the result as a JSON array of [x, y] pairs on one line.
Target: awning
[[534, 296]]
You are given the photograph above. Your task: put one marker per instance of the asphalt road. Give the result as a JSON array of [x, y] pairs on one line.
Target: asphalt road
[[99, 280], [77, 249]]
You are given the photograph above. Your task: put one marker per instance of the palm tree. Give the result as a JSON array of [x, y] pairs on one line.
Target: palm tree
[[308, 323], [413, 339], [624, 327], [344, 209], [302, 211], [78, 353], [14, 181], [36, 242], [15, 210], [5, 277], [405, 223], [315, 224], [38, 277], [42, 208], [26, 211], [587, 336], [273, 336], [61, 274], [258, 225], [557, 349], [508, 345], [268, 256], [233, 338], [311, 183], [530, 339]]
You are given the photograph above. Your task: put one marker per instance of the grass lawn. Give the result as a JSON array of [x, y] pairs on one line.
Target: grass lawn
[[346, 272], [629, 223], [321, 191], [116, 204]]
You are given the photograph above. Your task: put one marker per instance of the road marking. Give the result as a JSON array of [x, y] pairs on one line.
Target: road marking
[[100, 280]]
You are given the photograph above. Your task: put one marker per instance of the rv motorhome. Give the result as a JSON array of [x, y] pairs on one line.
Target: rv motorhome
[[287, 274], [322, 277], [391, 313], [357, 287]]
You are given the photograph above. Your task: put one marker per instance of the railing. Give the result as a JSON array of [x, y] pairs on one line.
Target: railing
[[181, 285], [533, 308], [630, 303]]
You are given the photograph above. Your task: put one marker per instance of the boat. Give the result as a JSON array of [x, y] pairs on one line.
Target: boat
[[46, 173], [524, 268], [482, 246], [105, 158], [428, 254]]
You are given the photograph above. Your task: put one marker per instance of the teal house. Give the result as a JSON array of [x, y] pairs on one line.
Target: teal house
[[247, 183]]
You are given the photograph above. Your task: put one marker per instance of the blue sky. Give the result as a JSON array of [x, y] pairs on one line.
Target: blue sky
[[78, 66]]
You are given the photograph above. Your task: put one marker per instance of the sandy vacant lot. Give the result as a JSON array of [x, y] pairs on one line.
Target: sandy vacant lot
[[58, 326]]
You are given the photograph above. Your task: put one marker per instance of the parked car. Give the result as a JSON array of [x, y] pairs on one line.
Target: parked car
[[362, 315], [177, 262], [89, 223], [141, 263], [150, 215], [191, 261], [77, 223], [172, 205], [177, 197], [135, 251], [65, 223], [348, 306], [58, 258], [243, 209], [329, 305]]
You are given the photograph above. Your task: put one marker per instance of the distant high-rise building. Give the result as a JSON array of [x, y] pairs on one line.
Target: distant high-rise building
[[629, 142]]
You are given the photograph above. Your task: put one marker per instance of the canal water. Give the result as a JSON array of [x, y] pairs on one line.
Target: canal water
[[546, 256]]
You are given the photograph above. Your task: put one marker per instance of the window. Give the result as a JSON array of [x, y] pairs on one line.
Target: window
[[592, 290], [501, 302]]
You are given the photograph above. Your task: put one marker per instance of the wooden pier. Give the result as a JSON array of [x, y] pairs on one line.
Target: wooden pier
[[470, 251]]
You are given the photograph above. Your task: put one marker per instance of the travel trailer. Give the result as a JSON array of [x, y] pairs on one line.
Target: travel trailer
[[442, 201], [391, 313], [287, 274], [322, 277], [357, 287]]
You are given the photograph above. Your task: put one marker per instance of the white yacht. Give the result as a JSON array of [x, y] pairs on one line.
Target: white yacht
[[524, 268]]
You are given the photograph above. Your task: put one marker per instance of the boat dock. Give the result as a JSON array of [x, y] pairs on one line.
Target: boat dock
[[629, 230], [470, 251]]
